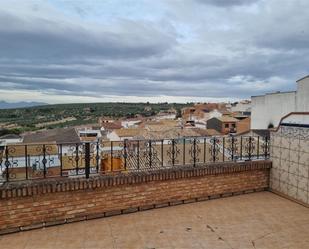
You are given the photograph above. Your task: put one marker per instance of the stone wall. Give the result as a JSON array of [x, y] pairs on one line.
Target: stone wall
[[37, 204]]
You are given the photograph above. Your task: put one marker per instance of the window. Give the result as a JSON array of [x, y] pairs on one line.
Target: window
[[226, 125], [233, 125]]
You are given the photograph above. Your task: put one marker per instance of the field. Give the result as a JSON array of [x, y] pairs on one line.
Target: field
[[65, 115]]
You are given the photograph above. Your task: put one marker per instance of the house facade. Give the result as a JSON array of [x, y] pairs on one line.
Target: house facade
[[224, 125]]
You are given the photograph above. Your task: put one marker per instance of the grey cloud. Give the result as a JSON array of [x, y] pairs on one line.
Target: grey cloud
[[132, 78], [278, 25], [247, 55], [227, 3], [45, 39]]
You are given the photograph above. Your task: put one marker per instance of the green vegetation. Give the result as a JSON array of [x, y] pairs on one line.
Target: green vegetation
[[25, 119], [9, 131]]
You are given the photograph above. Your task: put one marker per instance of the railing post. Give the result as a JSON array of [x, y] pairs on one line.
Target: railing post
[[173, 152], [26, 161], [250, 148], [150, 154], [194, 152], [233, 148], [44, 160], [162, 151], [214, 149], [204, 159], [184, 152], [266, 147], [258, 148], [241, 148], [61, 163], [7, 163], [223, 146], [138, 159], [125, 154], [97, 156], [112, 166], [87, 159], [76, 158]]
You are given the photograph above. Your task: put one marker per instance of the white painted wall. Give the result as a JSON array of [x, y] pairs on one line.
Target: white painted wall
[[241, 107], [214, 114], [112, 136], [169, 116], [4, 141], [201, 125], [270, 108], [303, 95], [130, 123], [90, 131]]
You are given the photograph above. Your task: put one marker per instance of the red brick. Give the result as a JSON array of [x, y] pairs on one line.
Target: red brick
[[78, 199]]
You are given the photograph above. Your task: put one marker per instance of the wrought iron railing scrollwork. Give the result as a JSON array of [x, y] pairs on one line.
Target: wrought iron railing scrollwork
[[75, 157], [214, 149], [194, 151], [249, 147], [173, 152], [150, 155], [30, 161], [266, 147], [9, 163], [232, 148]]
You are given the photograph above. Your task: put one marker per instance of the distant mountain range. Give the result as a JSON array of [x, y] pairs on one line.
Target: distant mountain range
[[7, 105]]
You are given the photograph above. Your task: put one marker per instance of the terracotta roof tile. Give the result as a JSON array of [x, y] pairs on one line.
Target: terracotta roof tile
[[129, 132], [61, 135]]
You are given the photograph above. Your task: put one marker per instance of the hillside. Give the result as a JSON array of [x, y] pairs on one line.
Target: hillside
[[22, 104], [63, 115]]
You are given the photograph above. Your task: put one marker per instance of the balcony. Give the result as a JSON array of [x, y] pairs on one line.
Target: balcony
[[22, 162], [241, 222], [44, 185]]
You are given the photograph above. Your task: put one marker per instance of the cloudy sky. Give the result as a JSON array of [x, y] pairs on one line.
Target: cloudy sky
[[59, 51]]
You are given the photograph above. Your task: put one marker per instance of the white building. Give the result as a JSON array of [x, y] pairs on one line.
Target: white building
[[10, 139], [200, 121], [87, 135], [123, 134], [131, 123], [212, 114], [164, 116], [268, 109], [242, 106]]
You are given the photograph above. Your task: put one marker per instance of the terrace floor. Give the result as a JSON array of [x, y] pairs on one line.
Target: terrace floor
[[258, 221]]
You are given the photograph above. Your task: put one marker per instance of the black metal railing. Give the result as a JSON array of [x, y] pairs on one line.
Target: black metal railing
[[39, 161]]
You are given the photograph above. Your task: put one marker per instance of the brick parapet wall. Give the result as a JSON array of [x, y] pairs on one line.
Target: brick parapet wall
[[29, 205]]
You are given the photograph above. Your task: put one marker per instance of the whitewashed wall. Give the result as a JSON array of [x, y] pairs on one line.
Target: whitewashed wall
[[303, 95], [241, 107], [270, 108], [112, 136], [4, 142]]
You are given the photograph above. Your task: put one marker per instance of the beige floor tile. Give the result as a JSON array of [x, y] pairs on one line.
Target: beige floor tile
[[261, 220]]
